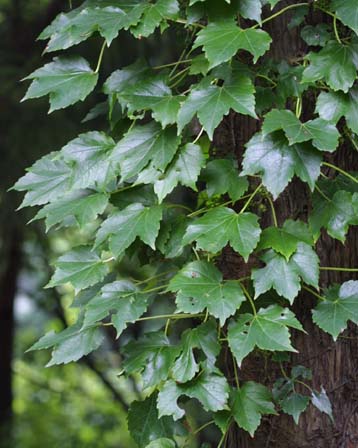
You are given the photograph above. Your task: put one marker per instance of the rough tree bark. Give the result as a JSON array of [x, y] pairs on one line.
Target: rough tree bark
[[334, 365]]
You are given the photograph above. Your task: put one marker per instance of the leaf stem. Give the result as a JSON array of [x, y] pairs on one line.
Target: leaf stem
[[184, 207], [171, 64], [100, 57], [336, 30], [278, 13], [322, 194], [271, 81], [340, 170], [273, 211], [205, 425], [306, 288], [304, 384], [235, 371], [246, 292], [338, 269], [250, 199], [171, 316], [223, 438], [199, 135]]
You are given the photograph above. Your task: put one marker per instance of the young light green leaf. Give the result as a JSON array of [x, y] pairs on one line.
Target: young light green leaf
[[120, 299], [222, 40], [284, 276], [221, 226], [250, 402], [74, 208], [265, 153], [323, 134], [200, 286], [152, 355], [336, 63], [89, 157], [339, 306], [222, 176], [45, 181], [211, 389], [82, 267], [142, 144], [144, 423], [66, 80], [284, 240], [267, 330], [211, 102], [122, 227]]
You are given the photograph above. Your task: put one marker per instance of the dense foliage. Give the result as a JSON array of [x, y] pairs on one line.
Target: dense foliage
[[157, 205]]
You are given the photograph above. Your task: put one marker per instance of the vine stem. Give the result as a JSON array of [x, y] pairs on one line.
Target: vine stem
[[273, 211], [100, 57], [223, 438], [278, 13], [340, 170], [250, 199], [338, 269], [336, 30], [246, 292], [314, 293], [171, 316]]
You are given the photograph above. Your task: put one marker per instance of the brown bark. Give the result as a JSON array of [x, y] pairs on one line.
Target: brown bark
[[334, 365]]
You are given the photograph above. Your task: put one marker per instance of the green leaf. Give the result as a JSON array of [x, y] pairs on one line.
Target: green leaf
[[124, 226], [267, 330], [200, 285], [222, 40], [120, 299], [162, 443], [346, 11], [294, 404], [66, 80], [79, 207], [142, 144], [324, 135], [285, 240], [222, 176], [334, 211], [211, 102], [339, 306], [144, 423], [47, 180], [70, 344], [154, 15], [79, 24], [317, 35], [184, 170], [152, 355], [250, 402], [211, 389], [202, 337], [336, 64], [81, 267], [250, 9], [151, 93], [221, 225], [284, 276], [265, 153], [332, 106], [321, 401], [89, 157]]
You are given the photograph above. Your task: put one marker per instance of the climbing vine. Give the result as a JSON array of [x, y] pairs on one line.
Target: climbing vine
[[159, 205]]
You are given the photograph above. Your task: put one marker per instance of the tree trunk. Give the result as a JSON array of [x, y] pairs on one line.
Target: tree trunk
[[334, 365]]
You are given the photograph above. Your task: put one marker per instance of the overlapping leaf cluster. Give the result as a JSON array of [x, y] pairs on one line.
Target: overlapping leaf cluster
[[131, 185]]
